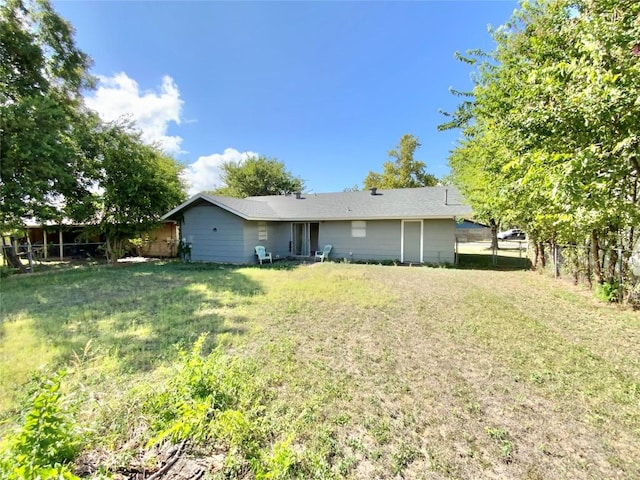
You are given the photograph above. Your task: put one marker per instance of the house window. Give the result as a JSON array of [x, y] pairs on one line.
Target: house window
[[358, 228], [262, 231]]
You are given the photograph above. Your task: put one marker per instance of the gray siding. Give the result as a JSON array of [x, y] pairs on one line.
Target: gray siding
[[439, 241], [381, 243], [278, 236], [383, 240], [250, 242], [234, 239], [225, 245]]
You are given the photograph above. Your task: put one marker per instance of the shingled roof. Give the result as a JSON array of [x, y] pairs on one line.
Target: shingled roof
[[403, 203]]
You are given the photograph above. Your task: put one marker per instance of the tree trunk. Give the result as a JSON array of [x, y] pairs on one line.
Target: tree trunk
[[611, 267], [595, 257], [12, 258], [536, 253], [494, 235], [543, 260], [107, 251]]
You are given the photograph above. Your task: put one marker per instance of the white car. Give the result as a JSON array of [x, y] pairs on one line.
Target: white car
[[512, 234]]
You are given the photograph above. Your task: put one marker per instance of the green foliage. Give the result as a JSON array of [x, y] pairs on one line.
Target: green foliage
[[184, 250], [5, 271], [501, 436], [608, 291], [280, 464], [55, 151], [404, 171], [549, 136], [257, 176], [44, 152], [403, 457], [139, 185], [46, 443], [215, 398]]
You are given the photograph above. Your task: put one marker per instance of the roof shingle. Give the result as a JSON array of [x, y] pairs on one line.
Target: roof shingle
[[405, 203]]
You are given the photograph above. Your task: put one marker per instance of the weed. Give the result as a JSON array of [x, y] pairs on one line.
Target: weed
[[502, 437], [280, 463], [608, 292], [46, 442], [379, 429], [402, 457]]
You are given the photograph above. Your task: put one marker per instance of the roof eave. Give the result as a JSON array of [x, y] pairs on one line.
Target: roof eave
[[206, 198]]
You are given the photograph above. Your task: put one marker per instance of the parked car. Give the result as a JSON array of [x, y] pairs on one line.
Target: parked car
[[512, 234]]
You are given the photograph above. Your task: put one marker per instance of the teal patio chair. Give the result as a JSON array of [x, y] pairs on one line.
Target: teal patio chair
[[324, 253], [263, 254]]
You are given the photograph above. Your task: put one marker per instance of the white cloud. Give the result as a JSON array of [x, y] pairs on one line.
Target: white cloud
[[204, 173], [151, 111]]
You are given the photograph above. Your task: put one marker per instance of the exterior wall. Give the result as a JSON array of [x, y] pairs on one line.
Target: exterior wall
[[250, 242], [279, 238], [277, 242], [224, 245], [163, 242], [235, 239], [439, 241], [382, 241]]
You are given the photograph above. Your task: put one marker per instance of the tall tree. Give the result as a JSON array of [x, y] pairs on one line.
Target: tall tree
[[137, 185], [404, 171], [43, 164], [559, 95], [257, 176]]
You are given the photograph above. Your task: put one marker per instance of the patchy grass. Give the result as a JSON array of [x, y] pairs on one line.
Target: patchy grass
[[359, 371]]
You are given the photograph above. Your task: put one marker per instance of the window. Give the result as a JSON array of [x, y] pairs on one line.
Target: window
[[262, 231], [358, 228]]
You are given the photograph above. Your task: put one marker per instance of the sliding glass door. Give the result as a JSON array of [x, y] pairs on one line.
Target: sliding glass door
[[304, 238]]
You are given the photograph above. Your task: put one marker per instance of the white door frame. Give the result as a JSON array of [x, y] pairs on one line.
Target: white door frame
[[402, 223]]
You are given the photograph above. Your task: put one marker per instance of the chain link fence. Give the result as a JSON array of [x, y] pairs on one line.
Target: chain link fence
[[619, 267]]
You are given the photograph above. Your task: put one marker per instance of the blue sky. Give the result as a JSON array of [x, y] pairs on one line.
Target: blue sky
[[328, 88]]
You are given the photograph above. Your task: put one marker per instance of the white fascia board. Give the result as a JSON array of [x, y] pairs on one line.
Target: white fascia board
[[206, 198], [348, 219]]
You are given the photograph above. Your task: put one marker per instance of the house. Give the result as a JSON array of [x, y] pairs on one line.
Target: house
[[412, 225]]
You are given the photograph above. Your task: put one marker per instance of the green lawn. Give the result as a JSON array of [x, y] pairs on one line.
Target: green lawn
[[353, 371]]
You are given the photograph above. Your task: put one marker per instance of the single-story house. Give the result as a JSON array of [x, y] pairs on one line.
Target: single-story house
[[412, 225]]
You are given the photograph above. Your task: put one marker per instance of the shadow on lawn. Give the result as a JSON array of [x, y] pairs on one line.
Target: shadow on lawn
[[486, 261], [135, 314]]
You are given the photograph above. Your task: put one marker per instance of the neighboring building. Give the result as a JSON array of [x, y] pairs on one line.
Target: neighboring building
[[66, 239], [470, 231], [161, 242], [412, 225]]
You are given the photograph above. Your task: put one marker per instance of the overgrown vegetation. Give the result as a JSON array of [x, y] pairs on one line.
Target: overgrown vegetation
[[58, 159], [320, 371], [549, 133], [47, 440]]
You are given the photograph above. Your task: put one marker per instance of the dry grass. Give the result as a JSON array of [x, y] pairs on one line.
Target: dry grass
[[384, 372], [458, 374]]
